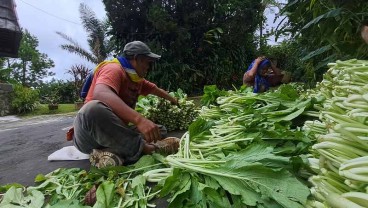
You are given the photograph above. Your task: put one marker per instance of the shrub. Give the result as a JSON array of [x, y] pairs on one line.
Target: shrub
[[24, 99]]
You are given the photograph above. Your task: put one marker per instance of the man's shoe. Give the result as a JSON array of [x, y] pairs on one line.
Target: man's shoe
[[101, 159], [167, 146]]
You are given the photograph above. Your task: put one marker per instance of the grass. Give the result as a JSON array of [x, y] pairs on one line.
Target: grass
[[70, 108], [44, 110]]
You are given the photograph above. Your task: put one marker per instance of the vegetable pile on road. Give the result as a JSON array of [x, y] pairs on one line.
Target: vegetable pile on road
[[282, 148], [242, 152], [341, 154], [111, 187], [246, 151]]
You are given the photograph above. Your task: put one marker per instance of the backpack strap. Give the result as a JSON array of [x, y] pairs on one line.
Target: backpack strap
[[87, 83], [128, 68]]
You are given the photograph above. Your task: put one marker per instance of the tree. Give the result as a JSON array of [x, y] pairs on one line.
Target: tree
[[79, 73], [266, 4], [60, 91], [31, 66], [207, 42], [98, 39], [4, 70], [326, 30]]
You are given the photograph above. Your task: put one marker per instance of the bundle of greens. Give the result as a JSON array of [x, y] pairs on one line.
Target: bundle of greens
[[116, 187], [341, 154], [246, 151], [242, 152], [161, 111]]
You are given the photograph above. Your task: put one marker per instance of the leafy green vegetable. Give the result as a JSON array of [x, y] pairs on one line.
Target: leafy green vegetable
[[340, 156], [14, 198], [163, 112], [105, 194], [252, 174]]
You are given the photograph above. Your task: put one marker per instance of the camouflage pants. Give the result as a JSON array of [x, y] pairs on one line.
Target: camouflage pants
[[97, 127]]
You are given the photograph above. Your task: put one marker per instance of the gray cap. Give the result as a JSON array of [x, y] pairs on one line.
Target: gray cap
[[139, 48]]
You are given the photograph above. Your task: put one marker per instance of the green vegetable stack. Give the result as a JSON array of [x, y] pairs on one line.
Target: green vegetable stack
[[162, 112], [241, 153], [341, 154]]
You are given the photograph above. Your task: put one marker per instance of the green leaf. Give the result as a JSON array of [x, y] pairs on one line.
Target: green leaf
[[15, 198], [171, 182], [256, 182], [214, 196], [6, 187], [290, 116], [40, 178], [330, 13], [184, 185], [138, 184], [104, 194], [317, 52], [256, 152], [144, 161], [199, 128]]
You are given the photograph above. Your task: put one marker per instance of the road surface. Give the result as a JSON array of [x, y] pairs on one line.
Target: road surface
[[25, 145]]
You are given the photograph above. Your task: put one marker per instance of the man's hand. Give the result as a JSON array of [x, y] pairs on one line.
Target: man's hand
[[149, 130], [260, 59]]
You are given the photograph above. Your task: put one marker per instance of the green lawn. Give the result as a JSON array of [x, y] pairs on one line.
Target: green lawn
[[44, 110]]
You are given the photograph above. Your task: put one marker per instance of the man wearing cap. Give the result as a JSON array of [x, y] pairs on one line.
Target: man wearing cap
[[102, 126]]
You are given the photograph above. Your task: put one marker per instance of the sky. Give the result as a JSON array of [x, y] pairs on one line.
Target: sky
[[42, 18]]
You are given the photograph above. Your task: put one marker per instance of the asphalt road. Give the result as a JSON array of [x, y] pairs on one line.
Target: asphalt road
[[25, 145]]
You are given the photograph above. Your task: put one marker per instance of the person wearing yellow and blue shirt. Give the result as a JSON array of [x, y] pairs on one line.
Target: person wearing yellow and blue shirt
[[262, 74]]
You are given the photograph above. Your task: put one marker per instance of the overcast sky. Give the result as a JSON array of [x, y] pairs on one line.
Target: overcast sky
[[42, 18]]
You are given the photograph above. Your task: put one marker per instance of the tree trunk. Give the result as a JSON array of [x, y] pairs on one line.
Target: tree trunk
[[24, 73]]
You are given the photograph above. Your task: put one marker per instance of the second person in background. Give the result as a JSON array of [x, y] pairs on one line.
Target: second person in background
[[262, 74]]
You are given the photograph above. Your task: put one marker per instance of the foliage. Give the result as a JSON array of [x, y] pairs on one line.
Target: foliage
[[201, 42], [79, 73], [233, 151], [210, 94], [325, 30], [63, 91], [53, 98], [161, 111], [4, 71], [67, 187], [31, 66], [24, 99], [43, 109], [262, 24], [288, 56], [99, 43]]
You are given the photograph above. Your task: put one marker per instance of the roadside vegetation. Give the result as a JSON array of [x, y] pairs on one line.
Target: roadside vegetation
[[42, 109]]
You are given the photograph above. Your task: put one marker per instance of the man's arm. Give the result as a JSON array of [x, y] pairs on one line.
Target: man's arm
[[108, 96], [249, 75], [163, 94]]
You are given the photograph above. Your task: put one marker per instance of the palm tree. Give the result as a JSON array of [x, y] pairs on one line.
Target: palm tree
[[98, 40]]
